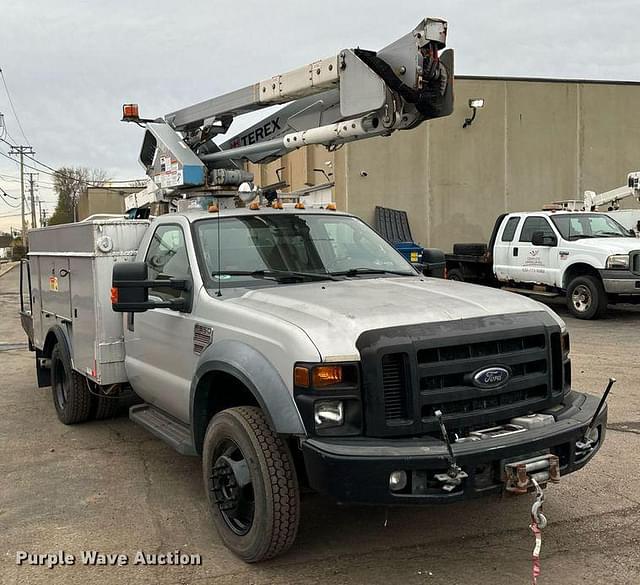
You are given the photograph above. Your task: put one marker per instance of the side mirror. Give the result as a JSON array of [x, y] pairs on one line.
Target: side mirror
[[539, 239], [130, 289]]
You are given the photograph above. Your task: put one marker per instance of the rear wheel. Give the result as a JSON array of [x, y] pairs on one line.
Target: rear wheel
[[455, 274], [106, 405], [586, 297], [71, 396], [251, 484]]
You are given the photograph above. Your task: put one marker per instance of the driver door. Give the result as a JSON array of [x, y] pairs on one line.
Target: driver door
[[535, 263], [160, 360]]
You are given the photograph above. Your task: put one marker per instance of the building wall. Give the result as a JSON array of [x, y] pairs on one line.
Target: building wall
[[534, 141], [103, 200]]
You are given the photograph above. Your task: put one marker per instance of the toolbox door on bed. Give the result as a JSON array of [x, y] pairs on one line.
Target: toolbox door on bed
[[55, 286]]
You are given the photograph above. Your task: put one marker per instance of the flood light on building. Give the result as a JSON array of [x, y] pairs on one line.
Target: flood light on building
[[474, 104]]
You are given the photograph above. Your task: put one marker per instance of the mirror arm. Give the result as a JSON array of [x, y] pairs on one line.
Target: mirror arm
[[174, 283], [175, 304]]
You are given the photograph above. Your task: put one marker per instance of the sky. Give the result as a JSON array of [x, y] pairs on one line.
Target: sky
[[71, 64]]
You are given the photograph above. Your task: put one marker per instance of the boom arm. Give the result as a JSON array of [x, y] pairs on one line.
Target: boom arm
[[593, 200], [353, 95]]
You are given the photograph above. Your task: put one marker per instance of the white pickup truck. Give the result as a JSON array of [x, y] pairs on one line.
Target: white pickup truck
[[589, 257]]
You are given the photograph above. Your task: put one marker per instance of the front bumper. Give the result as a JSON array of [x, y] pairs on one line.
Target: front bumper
[[621, 282], [357, 469]]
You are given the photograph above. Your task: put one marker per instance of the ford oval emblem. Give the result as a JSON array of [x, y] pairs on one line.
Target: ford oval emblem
[[492, 377]]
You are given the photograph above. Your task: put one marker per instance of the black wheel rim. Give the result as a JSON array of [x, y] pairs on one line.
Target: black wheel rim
[[60, 384], [232, 488]]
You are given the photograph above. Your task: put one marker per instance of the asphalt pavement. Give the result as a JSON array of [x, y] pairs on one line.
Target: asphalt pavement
[[110, 486]]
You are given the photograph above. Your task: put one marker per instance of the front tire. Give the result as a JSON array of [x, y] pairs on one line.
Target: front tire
[[455, 274], [251, 484], [586, 297], [71, 396]]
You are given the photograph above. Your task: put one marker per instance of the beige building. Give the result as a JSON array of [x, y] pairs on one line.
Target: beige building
[[534, 141], [104, 200]]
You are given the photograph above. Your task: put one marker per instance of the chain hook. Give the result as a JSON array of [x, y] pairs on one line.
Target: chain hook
[[536, 510]]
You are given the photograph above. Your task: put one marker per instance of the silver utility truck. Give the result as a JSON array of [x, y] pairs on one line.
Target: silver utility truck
[[293, 347], [290, 347]]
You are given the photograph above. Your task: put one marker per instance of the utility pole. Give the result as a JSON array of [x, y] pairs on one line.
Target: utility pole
[[22, 150], [33, 200]]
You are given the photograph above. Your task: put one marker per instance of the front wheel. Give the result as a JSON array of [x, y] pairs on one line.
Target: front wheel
[[455, 274], [586, 297], [251, 484]]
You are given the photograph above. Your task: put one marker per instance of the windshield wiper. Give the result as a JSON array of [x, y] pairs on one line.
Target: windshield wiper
[[359, 271], [613, 234], [276, 274], [580, 237]]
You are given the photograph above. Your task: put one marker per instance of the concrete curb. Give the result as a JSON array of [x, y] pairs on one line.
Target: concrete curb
[[7, 268]]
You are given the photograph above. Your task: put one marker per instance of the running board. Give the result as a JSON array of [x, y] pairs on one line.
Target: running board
[[165, 427], [528, 291]]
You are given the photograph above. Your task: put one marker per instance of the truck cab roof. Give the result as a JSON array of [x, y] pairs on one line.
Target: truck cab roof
[[198, 214]]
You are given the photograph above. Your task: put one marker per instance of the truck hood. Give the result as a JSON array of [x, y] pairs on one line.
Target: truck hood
[[334, 314], [607, 245]]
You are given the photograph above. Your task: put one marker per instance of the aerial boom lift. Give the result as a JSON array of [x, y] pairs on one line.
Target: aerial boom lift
[[593, 200], [353, 95]]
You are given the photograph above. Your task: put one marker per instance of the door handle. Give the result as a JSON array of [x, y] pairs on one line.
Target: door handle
[[515, 251]]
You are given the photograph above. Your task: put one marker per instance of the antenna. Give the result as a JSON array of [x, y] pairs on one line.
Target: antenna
[[219, 293]]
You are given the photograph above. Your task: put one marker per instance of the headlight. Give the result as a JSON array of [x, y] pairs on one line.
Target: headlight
[[328, 397], [618, 262], [328, 413]]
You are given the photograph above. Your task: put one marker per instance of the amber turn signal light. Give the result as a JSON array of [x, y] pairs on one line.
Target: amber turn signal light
[[326, 376], [115, 293]]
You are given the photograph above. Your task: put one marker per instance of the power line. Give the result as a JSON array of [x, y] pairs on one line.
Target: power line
[[5, 195], [63, 175], [56, 171], [13, 109]]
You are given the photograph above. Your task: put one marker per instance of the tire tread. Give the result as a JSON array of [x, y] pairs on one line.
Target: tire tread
[[78, 404]]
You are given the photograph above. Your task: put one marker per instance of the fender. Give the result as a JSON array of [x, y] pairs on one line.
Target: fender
[[259, 376], [56, 334]]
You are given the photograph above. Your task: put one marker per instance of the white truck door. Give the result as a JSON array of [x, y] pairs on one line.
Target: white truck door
[[535, 263], [159, 343], [502, 248]]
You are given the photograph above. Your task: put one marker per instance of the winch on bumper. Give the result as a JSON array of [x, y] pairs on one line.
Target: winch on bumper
[[403, 471]]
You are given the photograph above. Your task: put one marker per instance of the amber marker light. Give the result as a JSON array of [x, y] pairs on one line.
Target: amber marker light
[[301, 376], [130, 112]]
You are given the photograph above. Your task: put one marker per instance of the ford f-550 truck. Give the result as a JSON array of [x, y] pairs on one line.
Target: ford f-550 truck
[[290, 347], [587, 257]]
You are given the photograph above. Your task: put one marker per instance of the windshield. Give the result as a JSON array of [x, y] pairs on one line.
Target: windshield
[[588, 225], [291, 248]]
